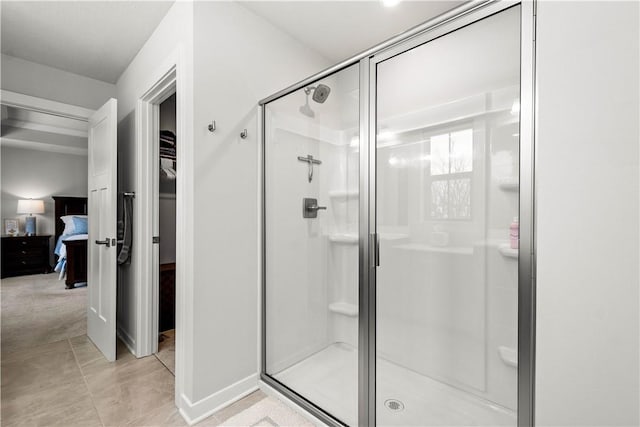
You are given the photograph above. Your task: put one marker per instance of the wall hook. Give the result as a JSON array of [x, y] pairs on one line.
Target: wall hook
[[212, 126], [243, 134]]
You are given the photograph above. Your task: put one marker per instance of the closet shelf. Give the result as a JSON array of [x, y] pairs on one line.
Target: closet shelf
[[506, 251], [343, 194], [509, 356], [344, 238], [344, 308]]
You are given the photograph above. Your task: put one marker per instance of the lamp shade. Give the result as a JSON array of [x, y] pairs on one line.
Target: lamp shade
[[30, 206]]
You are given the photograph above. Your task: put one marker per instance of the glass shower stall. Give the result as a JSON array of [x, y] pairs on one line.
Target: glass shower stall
[[397, 229]]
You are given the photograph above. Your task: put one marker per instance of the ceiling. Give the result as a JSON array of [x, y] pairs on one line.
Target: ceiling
[[43, 122], [97, 39], [340, 29], [22, 128]]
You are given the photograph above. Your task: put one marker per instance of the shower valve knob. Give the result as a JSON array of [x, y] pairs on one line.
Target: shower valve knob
[[310, 208]]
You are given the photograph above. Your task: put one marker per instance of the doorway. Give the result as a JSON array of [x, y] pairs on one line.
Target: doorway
[[166, 217], [165, 83]]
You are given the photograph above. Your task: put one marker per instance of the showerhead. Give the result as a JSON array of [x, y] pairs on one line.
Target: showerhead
[[320, 94], [306, 109]]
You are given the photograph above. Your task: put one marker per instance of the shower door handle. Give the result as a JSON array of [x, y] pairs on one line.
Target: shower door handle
[[374, 250]]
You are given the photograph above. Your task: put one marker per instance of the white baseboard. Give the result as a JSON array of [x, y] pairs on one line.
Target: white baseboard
[[195, 412], [127, 340]]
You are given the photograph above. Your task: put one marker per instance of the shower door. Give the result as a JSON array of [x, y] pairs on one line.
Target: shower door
[[397, 286], [446, 124], [311, 154]]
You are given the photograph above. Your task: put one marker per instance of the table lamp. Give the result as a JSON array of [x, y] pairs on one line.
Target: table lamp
[[30, 207]]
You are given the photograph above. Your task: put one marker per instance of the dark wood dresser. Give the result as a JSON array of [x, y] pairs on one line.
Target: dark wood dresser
[[25, 255]]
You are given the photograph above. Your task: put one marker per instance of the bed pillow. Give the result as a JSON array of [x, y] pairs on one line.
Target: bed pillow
[[69, 225], [80, 225]]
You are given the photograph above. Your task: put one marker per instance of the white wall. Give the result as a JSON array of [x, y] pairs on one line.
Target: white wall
[[238, 59], [588, 194], [40, 175], [45, 82], [222, 286], [172, 38]]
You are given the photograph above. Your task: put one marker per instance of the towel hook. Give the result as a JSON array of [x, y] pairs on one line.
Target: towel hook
[[212, 126], [243, 134]]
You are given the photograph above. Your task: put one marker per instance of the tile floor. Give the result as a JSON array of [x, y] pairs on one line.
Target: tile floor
[[53, 375], [38, 310], [167, 350]]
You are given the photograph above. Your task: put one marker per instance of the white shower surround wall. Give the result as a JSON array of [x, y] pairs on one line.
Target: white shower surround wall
[[468, 282], [309, 268]]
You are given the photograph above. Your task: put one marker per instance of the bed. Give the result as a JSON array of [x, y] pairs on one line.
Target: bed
[[71, 249]]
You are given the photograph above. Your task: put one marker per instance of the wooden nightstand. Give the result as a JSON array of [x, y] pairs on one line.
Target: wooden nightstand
[[25, 255]]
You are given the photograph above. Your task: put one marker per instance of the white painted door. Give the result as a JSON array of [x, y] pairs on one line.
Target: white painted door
[[101, 274]]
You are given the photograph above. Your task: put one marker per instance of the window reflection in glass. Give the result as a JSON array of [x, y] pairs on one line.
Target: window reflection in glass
[[451, 156]]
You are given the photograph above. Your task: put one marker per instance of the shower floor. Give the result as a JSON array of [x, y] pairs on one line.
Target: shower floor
[[329, 379]]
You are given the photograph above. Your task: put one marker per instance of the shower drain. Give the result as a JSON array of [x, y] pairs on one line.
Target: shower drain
[[394, 405]]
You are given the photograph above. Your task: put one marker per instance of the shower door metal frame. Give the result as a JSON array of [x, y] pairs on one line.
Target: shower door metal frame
[[446, 23]]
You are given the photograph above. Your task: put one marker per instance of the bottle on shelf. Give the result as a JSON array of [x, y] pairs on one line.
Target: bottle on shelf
[[514, 233]]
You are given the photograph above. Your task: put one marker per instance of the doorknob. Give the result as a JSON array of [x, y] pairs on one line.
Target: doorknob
[[106, 242]]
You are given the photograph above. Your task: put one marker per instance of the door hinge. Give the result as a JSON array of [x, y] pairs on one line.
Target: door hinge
[[156, 239]]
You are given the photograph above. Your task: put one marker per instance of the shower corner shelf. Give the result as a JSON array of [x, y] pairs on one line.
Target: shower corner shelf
[[343, 194], [507, 251], [509, 185], [509, 356], [345, 238], [344, 308]]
